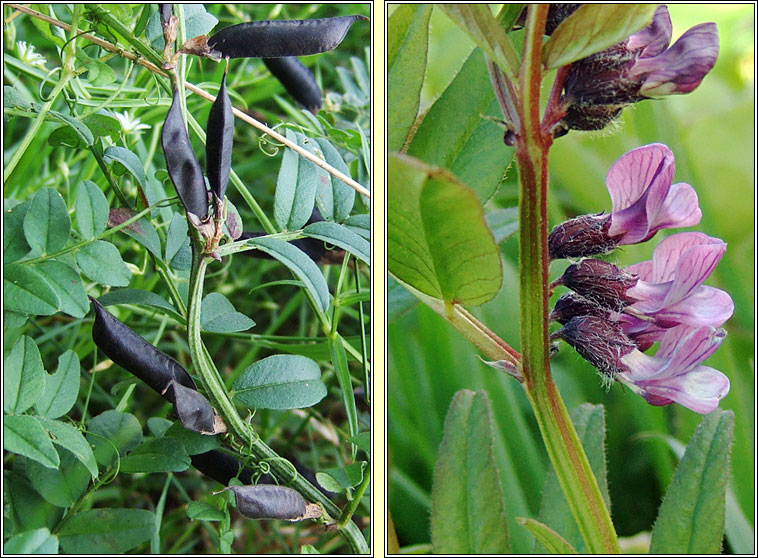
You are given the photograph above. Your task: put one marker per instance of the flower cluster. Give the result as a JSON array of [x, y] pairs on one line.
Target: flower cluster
[[612, 315], [643, 66]]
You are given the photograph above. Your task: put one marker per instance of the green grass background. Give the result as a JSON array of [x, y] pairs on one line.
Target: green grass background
[[711, 133]]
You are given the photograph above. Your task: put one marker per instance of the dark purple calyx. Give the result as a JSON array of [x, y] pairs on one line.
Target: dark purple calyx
[[586, 235], [572, 305], [600, 282], [600, 342]]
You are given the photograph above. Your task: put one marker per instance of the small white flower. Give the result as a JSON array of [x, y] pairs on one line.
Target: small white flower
[[27, 54], [130, 125]]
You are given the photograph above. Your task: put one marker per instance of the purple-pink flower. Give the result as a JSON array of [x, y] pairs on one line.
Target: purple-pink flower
[[599, 86], [675, 373], [644, 200], [670, 289], [650, 297]]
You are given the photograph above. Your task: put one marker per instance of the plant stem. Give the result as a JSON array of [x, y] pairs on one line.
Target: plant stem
[[31, 133], [281, 469], [352, 505], [566, 453]]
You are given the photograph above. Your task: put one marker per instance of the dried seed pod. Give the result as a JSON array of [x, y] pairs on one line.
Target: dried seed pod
[[131, 352], [193, 409], [297, 80], [218, 142], [183, 167], [275, 39], [270, 501]]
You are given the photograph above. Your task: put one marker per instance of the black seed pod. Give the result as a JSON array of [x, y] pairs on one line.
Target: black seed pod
[[297, 80], [193, 409], [131, 352], [600, 282], [275, 39], [601, 342], [314, 248], [183, 168], [165, 13], [221, 467], [218, 142], [586, 235], [269, 501]]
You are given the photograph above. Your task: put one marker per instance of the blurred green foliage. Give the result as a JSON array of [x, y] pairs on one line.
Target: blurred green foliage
[[711, 134]]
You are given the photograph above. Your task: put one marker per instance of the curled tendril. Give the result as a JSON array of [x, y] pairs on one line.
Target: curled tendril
[[286, 462], [44, 81]]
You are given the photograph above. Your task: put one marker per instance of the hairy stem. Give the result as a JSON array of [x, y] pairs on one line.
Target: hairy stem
[[566, 453]]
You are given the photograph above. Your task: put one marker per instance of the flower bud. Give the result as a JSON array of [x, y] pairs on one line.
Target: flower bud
[[571, 305], [586, 235], [600, 342], [555, 16], [640, 67], [600, 282]]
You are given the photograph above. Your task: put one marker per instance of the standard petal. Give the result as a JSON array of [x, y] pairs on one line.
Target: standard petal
[[669, 250], [650, 296], [682, 67], [637, 182], [700, 389], [679, 209], [643, 270], [654, 38], [692, 268], [631, 174]]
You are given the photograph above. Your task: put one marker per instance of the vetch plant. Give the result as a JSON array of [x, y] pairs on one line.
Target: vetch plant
[[106, 245], [650, 326]]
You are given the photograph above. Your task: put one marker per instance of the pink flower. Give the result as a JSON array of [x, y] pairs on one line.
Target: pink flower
[[599, 86], [648, 298], [643, 198], [675, 374], [670, 289]]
